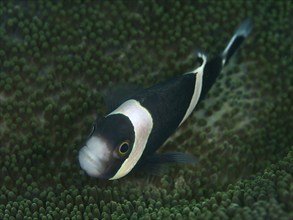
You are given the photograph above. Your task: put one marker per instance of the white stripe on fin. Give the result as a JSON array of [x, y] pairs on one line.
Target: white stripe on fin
[[242, 32], [142, 122], [197, 87]]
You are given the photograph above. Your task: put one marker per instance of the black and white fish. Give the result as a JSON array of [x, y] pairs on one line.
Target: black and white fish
[[129, 136]]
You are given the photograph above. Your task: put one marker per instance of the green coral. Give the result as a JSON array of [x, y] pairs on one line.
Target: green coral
[[57, 57]]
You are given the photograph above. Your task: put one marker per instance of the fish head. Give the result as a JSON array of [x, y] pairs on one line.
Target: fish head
[[107, 147]]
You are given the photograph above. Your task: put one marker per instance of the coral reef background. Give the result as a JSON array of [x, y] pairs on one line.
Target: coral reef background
[[56, 58]]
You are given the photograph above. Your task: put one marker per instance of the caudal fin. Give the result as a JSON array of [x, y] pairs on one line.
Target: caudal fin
[[241, 33], [213, 67]]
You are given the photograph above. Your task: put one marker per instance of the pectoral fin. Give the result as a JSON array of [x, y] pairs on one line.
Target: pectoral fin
[[157, 164], [171, 157]]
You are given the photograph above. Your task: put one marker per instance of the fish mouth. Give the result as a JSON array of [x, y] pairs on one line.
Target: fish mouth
[[90, 163], [95, 156]]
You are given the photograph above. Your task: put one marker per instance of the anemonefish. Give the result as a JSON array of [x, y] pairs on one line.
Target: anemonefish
[[128, 136]]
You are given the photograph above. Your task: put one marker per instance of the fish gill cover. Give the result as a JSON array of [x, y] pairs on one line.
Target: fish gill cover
[[57, 56]]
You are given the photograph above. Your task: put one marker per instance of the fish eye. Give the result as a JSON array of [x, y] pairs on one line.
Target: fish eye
[[123, 148]]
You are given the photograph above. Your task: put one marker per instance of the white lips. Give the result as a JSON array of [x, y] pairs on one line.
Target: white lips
[[93, 156]]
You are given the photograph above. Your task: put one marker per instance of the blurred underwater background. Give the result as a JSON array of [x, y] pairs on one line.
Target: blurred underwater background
[[56, 58]]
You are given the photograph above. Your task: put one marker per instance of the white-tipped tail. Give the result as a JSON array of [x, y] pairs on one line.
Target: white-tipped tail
[[241, 33]]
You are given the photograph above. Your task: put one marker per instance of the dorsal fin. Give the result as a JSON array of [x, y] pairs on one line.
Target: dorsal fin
[[115, 95]]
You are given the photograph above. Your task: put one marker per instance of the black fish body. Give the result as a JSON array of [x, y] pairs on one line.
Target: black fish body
[[132, 133], [167, 102]]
